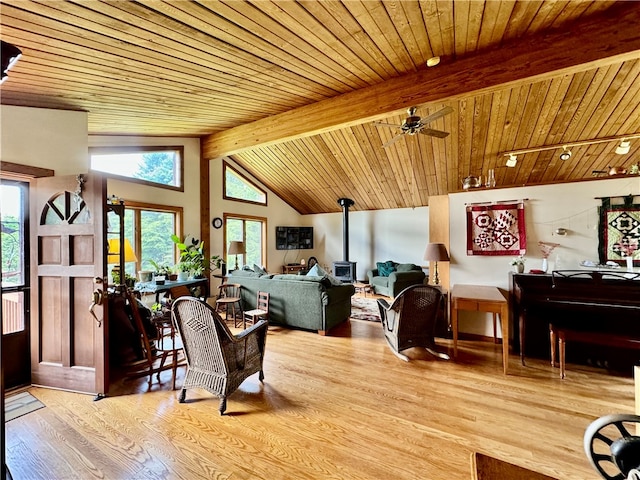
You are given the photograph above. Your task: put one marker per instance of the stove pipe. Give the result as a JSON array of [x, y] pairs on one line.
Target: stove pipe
[[345, 203]]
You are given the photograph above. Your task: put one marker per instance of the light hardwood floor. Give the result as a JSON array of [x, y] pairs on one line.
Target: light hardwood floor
[[335, 407]]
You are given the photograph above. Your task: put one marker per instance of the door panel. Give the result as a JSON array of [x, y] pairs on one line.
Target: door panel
[[68, 345]]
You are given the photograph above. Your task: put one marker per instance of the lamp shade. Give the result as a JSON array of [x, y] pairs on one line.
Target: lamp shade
[[237, 248], [436, 252], [113, 255]]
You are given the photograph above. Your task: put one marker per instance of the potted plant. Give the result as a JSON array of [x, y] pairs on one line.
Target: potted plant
[[191, 256], [162, 272], [518, 264], [216, 262]]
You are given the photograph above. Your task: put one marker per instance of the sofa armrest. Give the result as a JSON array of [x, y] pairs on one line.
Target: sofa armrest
[[372, 273]]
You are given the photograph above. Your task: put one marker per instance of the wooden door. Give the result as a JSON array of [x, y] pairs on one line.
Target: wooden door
[[68, 344]]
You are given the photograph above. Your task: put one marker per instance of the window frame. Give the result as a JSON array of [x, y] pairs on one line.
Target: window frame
[[137, 225], [226, 165], [142, 149], [244, 218]]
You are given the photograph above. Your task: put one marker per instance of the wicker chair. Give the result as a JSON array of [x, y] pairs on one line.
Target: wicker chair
[[217, 360], [410, 320]]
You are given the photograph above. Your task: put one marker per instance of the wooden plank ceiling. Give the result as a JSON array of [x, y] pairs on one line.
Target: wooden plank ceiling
[[292, 90]]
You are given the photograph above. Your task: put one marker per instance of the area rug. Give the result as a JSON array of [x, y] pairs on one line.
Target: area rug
[[363, 308], [20, 404]]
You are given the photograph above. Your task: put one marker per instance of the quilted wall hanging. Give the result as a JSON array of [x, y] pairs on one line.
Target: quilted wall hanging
[[619, 231], [496, 229]]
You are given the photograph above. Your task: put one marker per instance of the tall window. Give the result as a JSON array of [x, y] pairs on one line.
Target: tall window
[[15, 281], [251, 231], [149, 228], [238, 187], [158, 166]]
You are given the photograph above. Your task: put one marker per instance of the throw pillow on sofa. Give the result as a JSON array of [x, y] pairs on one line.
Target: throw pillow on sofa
[[386, 268], [259, 270], [331, 278]]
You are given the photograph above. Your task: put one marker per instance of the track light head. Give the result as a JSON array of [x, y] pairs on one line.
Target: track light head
[[512, 160], [565, 155], [624, 147]]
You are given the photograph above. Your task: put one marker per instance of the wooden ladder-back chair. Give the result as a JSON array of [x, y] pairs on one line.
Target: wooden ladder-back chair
[[155, 351], [410, 320], [217, 360], [260, 312], [230, 299]]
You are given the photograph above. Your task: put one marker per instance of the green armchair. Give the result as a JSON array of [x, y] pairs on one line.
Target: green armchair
[[390, 278]]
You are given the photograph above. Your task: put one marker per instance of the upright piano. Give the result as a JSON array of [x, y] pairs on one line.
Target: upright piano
[[598, 301]]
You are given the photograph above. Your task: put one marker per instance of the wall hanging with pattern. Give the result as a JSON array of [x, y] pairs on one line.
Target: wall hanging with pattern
[[619, 230], [496, 229]]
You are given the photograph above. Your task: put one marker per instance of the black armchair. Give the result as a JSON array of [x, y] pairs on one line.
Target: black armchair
[[410, 320]]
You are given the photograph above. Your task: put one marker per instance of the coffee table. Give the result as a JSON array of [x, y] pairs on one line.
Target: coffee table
[[362, 287]]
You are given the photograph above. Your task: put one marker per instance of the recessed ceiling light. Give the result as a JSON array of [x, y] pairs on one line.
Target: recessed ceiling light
[[433, 61]]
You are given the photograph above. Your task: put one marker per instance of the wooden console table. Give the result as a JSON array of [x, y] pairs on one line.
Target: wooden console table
[[293, 268], [481, 298]]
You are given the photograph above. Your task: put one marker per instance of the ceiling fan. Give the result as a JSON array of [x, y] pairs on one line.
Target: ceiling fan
[[414, 124]]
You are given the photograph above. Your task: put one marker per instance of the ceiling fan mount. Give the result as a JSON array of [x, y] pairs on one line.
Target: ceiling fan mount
[[414, 124]]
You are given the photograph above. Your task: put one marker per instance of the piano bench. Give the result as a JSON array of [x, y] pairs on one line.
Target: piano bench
[[564, 334]]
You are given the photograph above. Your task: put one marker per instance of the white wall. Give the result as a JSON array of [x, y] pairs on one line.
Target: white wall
[[189, 200], [398, 234], [571, 205], [39, 137]]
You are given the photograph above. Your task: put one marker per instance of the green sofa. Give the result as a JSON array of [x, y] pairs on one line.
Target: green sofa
[[300, 301], [396, 278]]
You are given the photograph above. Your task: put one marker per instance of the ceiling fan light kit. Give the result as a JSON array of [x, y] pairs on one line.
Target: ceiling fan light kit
[[415, 124]]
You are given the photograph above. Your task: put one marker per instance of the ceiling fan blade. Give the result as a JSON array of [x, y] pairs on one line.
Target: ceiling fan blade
[[436, 115], [380, 124], [393, 140], [434, 133]]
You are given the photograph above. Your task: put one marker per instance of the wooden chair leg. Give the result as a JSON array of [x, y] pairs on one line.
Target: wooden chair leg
[[552, 344], [561, 345]]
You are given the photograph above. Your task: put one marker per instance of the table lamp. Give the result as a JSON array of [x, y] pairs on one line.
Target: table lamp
[[237, 248], [113, 256], [436, 252]]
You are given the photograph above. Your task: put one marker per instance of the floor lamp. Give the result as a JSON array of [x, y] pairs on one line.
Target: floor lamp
[[436, 252], [237, 248]]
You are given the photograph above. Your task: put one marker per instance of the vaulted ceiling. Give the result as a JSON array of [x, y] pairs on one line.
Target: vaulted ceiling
[[292, 90]]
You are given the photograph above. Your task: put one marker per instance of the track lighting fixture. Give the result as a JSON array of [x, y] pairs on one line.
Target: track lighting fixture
[[565, 155], [624, 147]]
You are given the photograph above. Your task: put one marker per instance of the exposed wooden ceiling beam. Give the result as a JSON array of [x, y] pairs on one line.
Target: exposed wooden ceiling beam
[[596, 41]]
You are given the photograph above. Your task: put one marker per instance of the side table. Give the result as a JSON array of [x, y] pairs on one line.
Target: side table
[[481, 298], [362, 287]]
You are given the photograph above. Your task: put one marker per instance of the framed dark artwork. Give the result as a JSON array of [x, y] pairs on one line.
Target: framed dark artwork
[[619, 230]]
